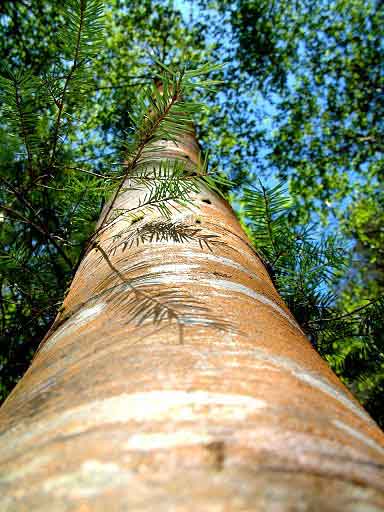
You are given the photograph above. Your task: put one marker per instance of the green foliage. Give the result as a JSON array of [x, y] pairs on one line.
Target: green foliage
[[16, 96], [28, 31], [45, 204], [302, 264], [264, 45]]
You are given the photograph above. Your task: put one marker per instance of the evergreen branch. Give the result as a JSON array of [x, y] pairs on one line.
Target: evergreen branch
[[86, 171], [268, 217], [350, 313], [169, 182], [146, 136], [60, 103], [16, 95], [301, 268], [39, 225], [42, 229], [23, 128], [83, 16], [267, 209]]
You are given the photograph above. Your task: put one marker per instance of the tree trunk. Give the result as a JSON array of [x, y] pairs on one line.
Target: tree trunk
[[222, 404]]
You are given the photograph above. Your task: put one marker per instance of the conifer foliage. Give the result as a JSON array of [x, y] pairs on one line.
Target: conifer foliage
[[46, 203]]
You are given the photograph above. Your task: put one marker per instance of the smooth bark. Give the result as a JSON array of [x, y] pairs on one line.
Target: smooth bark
[[231, 411]]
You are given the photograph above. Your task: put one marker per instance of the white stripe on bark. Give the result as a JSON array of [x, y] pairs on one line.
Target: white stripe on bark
[[212, 283], [82, 317], [358, 435], [148, 406], [304, 375]]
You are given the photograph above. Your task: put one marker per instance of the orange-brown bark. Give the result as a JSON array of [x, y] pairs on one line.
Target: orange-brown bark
[[240, 414]]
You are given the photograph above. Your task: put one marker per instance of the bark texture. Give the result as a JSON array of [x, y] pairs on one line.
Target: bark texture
[[232, 411]]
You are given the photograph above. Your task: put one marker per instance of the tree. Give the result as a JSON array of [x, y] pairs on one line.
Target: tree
[[197, 367], [174, 375]]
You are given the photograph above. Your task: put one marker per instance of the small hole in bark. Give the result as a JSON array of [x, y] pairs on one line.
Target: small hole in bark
[[216, 450], [220, 274], [208, 201], [197, 221]]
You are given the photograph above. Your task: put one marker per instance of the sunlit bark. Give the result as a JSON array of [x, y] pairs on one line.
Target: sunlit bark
[[231, 410]]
